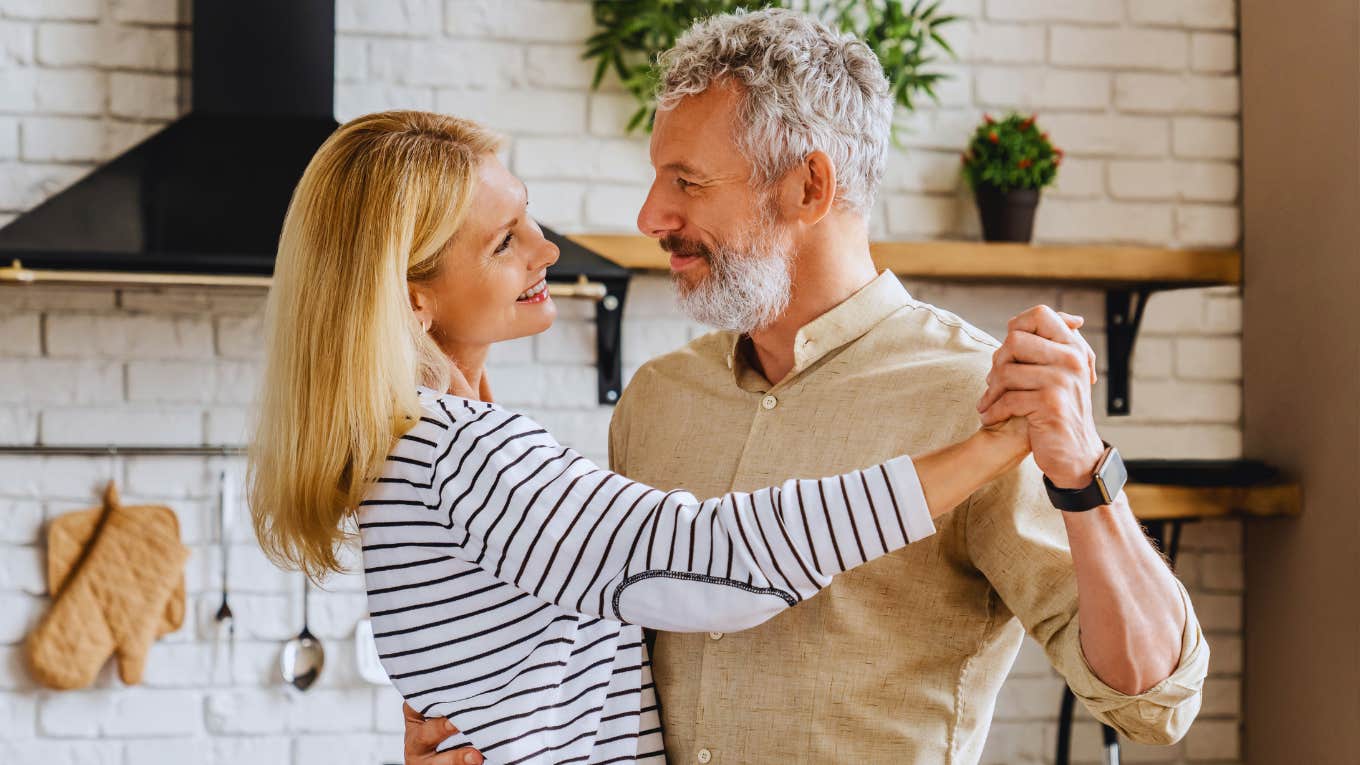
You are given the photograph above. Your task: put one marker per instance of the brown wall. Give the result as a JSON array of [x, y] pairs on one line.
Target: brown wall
[[1301, 149]]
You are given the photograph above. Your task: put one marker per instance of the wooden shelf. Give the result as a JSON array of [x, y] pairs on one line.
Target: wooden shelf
[[1096, 265], [1156, 502]]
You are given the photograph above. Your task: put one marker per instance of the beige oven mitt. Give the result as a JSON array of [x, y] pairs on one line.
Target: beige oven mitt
[[115, 593]]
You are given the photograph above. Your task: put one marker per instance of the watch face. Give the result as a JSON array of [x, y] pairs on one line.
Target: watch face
[[1111, 475]]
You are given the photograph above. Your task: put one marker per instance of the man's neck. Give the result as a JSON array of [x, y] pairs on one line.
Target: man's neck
[[828, 269]]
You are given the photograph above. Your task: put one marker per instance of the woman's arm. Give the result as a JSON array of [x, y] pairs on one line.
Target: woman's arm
[[500, 492]]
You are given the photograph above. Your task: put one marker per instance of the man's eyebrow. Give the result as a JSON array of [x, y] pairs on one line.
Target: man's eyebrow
[[684, 169]]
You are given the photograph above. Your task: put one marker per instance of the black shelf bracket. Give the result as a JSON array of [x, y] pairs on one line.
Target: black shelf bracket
[[609, 339], [1123, 316], [576, 263]]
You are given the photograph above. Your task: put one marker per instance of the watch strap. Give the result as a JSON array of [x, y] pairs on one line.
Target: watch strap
[[1108, 481]]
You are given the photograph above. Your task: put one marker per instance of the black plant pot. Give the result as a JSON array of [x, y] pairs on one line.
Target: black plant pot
[[1007, 216]]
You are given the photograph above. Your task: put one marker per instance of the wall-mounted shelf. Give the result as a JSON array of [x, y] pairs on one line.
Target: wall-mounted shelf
[[1128, 276]]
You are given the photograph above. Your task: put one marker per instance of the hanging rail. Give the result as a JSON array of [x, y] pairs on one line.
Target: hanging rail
[[126, 451], [16, 273]]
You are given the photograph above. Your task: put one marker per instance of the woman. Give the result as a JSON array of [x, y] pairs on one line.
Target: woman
[[506, 574]]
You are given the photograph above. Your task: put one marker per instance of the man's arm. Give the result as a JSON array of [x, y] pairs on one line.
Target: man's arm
[[1137, 631]]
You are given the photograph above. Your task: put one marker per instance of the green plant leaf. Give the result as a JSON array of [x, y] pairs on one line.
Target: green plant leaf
[[632, 33]]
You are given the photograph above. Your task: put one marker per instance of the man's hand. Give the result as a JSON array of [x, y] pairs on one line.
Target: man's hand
[[423, 735], [1043, 372]]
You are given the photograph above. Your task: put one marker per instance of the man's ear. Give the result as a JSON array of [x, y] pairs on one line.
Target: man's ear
[[818, 177]]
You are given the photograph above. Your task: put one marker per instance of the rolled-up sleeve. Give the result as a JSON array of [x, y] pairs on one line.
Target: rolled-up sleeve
[[1018, 541]]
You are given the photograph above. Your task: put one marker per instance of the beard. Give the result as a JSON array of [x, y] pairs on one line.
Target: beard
[[748, 284]]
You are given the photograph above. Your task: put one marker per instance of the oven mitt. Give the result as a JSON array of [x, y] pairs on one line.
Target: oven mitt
[[67, 538], [115, 600]]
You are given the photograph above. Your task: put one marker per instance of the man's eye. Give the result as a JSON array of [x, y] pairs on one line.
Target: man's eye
[[684, 184], [505, 243]]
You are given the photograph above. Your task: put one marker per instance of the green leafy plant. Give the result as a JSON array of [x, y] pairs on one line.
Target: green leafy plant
[[905, 37], [1010, 154]]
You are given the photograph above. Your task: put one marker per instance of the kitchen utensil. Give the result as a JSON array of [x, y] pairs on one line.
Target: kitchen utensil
[[224, 617], [224, 634], [366, 654], [303, 657]]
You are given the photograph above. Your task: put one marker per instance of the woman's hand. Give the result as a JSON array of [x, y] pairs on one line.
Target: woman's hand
[[423, 735], [1011, 435]]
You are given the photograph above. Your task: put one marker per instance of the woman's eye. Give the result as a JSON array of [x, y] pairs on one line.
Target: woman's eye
[[505, 243]]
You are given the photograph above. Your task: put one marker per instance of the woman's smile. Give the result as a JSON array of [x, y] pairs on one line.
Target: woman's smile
[[535, 294]]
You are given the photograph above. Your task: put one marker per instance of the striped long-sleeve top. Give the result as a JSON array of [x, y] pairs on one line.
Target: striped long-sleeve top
[[509, 578]]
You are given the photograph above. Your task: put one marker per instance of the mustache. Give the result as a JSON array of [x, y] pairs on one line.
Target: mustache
[[685, 248]]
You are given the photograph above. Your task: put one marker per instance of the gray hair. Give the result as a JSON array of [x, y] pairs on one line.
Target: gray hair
[[805, 89]]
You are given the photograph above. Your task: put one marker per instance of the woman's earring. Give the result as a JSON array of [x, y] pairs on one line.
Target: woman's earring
[[425, 325]]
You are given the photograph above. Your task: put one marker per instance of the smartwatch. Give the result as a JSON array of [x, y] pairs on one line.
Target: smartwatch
[[1109, 480]]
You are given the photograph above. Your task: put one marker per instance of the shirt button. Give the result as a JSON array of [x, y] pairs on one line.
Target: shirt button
[[769, 402], [705, 756], [715, 635]]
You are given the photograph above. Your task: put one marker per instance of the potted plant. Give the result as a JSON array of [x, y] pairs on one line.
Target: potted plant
[[1008, 163]]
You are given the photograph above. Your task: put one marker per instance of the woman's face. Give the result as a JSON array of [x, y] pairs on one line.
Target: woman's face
[[490, 286]]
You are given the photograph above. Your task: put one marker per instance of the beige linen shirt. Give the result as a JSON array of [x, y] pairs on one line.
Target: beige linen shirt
[[900, 660]]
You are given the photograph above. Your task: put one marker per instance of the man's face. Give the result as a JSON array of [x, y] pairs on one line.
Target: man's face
[[730, 256]]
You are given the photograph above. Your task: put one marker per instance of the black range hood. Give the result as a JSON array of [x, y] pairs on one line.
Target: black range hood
[[207, 194]]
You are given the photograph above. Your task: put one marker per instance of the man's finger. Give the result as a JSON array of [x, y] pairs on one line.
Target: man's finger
[[1090, 355], [423, 735], [1073, 321], [465, 755], [1018, 377], [1016, 403], [1042, 321], [1022, 348]]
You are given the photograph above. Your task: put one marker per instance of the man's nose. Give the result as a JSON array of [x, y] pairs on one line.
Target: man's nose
[[656, 218]]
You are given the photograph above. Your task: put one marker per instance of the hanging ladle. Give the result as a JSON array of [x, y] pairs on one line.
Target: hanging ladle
[[302, 656]]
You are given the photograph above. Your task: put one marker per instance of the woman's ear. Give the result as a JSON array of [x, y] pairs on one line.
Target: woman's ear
[[422, 305]]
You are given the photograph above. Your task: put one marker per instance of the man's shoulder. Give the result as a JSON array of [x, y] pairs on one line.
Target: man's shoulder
[[701, 357], [923, 338]]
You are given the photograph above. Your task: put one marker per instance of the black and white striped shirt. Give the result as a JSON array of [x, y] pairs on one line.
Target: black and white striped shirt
[[509, 577]]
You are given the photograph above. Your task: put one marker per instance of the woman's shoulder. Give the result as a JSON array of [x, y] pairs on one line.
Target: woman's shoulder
[[447, 409], [445, 414]]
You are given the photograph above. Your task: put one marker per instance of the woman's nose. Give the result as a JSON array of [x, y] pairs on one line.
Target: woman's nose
[[546, 255]]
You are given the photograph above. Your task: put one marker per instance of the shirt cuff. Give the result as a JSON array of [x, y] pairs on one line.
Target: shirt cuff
[[1150, 708], [910, 499]]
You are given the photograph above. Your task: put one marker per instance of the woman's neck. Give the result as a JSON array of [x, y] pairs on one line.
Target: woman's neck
[[469, 372]]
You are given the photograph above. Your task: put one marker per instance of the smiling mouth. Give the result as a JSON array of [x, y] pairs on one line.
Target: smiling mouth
[[535, 294]]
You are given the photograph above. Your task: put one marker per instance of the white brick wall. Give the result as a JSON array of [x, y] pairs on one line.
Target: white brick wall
[[1142, 93]]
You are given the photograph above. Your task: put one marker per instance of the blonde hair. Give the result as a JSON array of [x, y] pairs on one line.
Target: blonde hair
[[374, 209]]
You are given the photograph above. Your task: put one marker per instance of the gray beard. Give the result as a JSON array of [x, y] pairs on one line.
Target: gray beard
[[745, 290]]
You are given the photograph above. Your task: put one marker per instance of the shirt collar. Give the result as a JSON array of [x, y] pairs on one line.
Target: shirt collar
[[848, 321]]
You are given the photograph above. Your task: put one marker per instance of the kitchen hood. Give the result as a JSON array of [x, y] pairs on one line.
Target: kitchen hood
[[206, 194]]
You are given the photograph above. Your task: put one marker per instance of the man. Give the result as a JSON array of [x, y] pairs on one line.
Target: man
[[769, 144]]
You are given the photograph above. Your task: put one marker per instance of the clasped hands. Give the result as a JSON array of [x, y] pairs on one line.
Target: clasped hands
[[1043, 373]]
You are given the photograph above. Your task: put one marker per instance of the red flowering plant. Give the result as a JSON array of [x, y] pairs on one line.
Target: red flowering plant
[[1010, 154]]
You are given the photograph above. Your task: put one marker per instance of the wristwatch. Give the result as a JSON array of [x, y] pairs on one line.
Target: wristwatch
[[1109, 480]]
